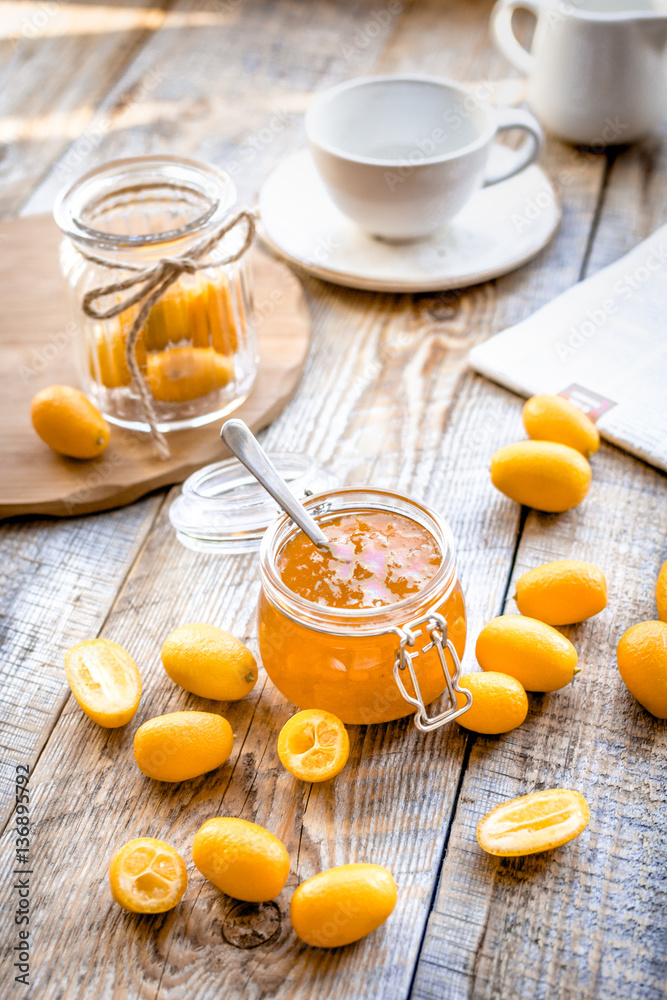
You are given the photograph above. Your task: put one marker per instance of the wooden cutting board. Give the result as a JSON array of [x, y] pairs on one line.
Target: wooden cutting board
[[35, 351]]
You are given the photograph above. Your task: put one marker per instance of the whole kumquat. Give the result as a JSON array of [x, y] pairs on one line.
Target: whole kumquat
[[541, 474], [241, 858], [642, 663], [554, 418], [499, 703], [209, 662], [68, 422], [539, 656], [562, 592], [182, 745], [342, 905]]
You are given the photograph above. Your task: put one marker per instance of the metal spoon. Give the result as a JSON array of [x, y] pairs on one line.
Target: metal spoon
[[242, 442]]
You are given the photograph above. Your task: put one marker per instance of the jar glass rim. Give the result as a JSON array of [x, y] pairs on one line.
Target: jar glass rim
[[342, 619], [213, 187]]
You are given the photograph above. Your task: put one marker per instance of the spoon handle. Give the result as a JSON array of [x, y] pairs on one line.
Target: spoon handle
[[241, 442]]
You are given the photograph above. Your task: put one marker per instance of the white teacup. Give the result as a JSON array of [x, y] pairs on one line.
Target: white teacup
[[401, 155]]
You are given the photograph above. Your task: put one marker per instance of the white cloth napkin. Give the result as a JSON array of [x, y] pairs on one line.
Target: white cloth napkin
[[603, 343]]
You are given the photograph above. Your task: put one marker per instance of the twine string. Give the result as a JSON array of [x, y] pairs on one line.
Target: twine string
[[151, 283]]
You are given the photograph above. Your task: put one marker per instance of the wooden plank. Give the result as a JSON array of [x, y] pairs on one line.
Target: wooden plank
[[634, 200], [377, 393], [587, 920], [228, 83], [380, 387], [59, 581], [45, 107], [569, 922]]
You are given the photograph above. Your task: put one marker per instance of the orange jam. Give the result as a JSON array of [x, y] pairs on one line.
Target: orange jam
[[375, 558], [326, 618]]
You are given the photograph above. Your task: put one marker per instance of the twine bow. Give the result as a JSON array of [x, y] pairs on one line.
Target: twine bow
[[151, 283]]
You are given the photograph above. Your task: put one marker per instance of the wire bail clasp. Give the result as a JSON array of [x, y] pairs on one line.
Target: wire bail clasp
[[436, 626]]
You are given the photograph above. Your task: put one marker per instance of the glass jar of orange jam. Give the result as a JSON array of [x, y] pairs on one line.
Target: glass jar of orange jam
[[373, 627], [197, 349]]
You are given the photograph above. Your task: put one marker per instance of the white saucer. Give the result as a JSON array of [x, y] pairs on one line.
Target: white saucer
[[501, 227]]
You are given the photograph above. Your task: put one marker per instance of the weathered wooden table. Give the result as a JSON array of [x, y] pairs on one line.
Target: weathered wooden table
[[386, 399]]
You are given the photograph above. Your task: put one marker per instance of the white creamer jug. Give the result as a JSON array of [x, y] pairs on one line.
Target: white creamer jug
[[597, 69]]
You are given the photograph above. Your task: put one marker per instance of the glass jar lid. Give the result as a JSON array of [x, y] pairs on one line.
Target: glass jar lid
[[222, 508]]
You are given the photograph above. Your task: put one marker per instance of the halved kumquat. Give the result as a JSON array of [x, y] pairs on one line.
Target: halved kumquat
[[313, 745], [105, 681], [532, 823], [147, 876]]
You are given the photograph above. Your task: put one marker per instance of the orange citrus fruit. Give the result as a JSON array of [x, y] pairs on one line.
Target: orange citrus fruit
[[541, 474], [147, 876], [642, 663], [185, 373], [209, 662], [68, 422], [105, 681], [313, 745], [220, 314], [499, 703], [562, 592], [554, 418], [182, 745], [342, 905], [241, 858], [661, 593], [533, 823], [108, 362], [540, 657], [168, 320]]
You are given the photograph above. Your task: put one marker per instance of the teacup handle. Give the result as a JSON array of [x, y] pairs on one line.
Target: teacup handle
[[503, 33], [528, 151]]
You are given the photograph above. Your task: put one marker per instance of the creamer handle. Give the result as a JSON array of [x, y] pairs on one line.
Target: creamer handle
[[503, 33]]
